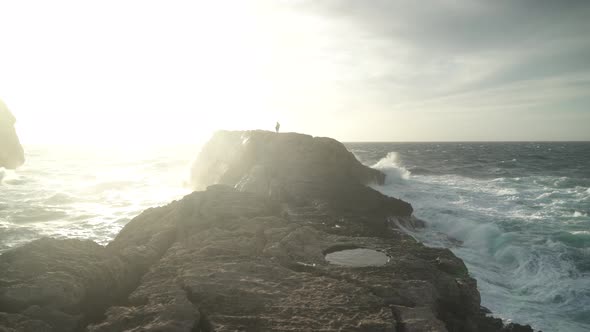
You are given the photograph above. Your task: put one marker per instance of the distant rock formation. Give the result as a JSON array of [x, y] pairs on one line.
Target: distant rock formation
[[255, 160], [11, 151], [294, 168], [249, 255]]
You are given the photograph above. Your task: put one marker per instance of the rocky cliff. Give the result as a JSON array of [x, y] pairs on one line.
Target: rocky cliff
[[249, 254], [11, 151]]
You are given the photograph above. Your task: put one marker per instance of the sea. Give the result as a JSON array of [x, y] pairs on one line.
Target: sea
[[518, 214], [88, 192]]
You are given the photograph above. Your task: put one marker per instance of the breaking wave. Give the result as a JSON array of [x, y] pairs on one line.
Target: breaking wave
[[390, 166]]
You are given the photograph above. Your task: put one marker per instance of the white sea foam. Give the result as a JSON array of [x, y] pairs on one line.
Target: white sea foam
[[8, 176], [75, 192], [390, 166], [545, 195]]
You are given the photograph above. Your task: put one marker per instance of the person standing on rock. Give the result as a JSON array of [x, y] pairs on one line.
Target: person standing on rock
[[277, 127]]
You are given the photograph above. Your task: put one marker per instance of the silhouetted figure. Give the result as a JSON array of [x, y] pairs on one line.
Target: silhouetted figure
[[277, 127]]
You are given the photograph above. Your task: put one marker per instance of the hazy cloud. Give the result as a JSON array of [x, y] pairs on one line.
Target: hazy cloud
[[350, 69], [458, 55]]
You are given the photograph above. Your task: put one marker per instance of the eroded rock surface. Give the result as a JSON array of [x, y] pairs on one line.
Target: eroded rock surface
[[248, 258], [11, 151]]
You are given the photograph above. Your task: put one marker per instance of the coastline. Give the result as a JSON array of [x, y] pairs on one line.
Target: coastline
[[250, 257]]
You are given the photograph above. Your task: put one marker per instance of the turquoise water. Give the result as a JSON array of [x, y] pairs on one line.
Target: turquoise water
[[516, 213]]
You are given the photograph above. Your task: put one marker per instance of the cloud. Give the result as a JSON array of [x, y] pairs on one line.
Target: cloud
[[413, 51], [461, 25], [308, 63]]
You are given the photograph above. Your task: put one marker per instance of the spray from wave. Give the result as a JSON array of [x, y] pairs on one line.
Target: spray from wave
[[391, 167], [8, 177]]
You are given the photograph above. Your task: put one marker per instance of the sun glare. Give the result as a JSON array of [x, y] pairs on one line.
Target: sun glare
[[145, 74]]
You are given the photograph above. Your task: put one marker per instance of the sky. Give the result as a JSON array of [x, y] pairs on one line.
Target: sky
[[149, 72]]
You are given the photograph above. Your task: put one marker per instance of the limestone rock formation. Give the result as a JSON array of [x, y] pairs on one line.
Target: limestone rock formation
[[249, 158], [242, 258], [294, 168], [11, 151]]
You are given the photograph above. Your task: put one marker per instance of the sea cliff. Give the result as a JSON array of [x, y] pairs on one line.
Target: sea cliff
[[11, 151], [247, 252]]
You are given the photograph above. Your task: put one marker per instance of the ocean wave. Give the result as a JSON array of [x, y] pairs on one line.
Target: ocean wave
[[113, 185], [8, 177], [577, 239], [392, 169], [421, 171], [546, 195], [59, 199]]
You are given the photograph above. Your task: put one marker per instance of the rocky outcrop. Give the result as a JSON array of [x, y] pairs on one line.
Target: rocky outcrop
[[257, 160], [235, 259], [11, 151], [297, 169]]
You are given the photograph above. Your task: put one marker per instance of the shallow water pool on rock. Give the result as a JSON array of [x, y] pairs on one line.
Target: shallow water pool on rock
[[357, 257]]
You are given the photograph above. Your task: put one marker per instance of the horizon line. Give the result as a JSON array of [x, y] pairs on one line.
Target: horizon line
[[527, 141]]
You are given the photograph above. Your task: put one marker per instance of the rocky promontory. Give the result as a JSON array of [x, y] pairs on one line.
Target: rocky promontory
[[248, 252], [11, 151]]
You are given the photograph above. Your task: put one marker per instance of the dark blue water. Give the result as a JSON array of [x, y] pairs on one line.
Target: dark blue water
[[516, 213]]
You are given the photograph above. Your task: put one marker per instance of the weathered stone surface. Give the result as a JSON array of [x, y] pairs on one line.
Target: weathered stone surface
[[11, 151], [62, 282], [20, 323], [239, 257], [68, 283], [250, 269]]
